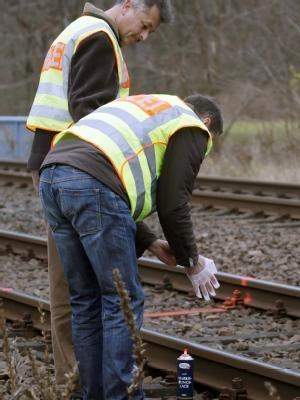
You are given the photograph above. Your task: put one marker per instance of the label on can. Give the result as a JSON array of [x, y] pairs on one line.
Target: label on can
[[185, 385], [184, 365]]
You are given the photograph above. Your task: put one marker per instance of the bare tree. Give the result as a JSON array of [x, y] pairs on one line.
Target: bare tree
[[243, 53]]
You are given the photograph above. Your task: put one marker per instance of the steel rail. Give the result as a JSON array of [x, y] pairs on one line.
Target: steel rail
[[21, 242], [17, 304], [214, 182], [246, 202], [247, 185], [266, 204], [13, 164], [255, 293], [229, 200], [16, 171], [217, 368], [15, 177], [212, 367]]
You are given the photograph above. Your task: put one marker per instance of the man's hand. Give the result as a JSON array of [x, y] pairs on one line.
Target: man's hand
[[202, 277], [161, 249]]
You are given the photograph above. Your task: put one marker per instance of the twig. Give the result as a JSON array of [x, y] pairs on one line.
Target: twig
[[138, 346], [72, 382], [35, 373], [7, 351], [46, 352]]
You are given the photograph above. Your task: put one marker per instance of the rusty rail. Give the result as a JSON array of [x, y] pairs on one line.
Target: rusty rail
[[12, 165], [232, 201], [14, 172], [15, 177], [248, 185], [20, 243], [256, 293], [213, 368], [282, 199], [253, 292], [215, 183]]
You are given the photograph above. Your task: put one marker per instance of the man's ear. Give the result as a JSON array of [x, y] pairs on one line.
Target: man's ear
[[206, 121], [126, 5]]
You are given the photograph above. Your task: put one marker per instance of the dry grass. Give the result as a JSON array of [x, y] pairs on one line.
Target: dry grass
[[138, 346], [257, 150], [28, 378]]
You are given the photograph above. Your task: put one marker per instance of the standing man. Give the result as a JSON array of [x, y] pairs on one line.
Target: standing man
[[110, 170], [83, 70]]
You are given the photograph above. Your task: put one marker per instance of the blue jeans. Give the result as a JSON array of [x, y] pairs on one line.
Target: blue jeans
[[95, 233]]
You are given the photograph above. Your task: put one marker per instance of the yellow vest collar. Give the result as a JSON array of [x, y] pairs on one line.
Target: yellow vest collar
[[91, 10]]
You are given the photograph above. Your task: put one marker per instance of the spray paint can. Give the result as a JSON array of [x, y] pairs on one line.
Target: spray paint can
[[185, 378]]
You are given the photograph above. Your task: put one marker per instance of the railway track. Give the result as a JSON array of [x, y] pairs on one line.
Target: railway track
[[235, 185], [214, 368], [12, 165], [269, 197], [254, 203], [14, 172], [234, 289]]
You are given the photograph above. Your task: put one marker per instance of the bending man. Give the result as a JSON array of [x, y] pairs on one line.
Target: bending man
[[110, 170]]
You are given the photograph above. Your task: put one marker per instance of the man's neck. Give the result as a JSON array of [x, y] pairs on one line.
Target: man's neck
[[108, 15], [113, 12]]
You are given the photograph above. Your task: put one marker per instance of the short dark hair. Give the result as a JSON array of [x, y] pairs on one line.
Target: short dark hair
[[164, 7], [205, 106]]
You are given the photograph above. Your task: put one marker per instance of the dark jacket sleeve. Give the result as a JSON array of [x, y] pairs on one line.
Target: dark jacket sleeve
[[183, 158], [93, 79], [143, 239], [40, 147]]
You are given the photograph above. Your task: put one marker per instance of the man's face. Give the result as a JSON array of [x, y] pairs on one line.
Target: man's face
[[135, 24]]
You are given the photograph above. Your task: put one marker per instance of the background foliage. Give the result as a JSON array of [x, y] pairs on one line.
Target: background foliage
[[244, 53]]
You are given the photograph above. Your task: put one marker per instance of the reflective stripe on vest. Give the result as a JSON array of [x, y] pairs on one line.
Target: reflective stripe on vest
[[50, 107], [133, 133]]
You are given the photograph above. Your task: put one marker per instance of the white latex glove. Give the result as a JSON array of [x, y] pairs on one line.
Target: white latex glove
[[202, 277]]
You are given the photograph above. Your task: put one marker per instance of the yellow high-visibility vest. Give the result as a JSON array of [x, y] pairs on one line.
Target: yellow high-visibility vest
[[50, 107], [133, 133]]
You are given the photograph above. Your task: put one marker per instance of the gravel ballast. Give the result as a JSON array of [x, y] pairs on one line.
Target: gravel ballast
[[254, 247]]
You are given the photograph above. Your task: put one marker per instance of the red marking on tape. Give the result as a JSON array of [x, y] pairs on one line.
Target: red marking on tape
[[245, 281], [248, 299], [6, 289]]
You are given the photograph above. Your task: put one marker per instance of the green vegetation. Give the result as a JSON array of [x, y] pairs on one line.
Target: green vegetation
[[279, 129], [258, 150]]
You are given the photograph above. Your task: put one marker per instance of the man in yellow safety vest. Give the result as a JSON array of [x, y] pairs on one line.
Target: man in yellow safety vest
[[110, 170], [84, 69]]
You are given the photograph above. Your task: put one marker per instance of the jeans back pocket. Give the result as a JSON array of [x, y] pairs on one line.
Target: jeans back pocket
[[82, 208]]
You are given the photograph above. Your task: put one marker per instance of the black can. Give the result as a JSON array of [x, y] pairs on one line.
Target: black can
[[185, 377]]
